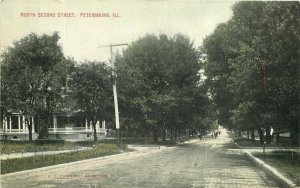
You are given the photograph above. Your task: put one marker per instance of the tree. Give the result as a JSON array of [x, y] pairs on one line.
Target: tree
[[158, 83], [259, 34], [91, 83], [31, 77]]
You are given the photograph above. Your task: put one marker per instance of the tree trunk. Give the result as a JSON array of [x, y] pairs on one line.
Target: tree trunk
[[248, 135], [187, 133], [252, 135], [239, 133], [171, 134], [294, 135], [29, 125], [277, 138], [155, 135], [43, 127], [163, 136], [94, 129], [261, 135], [268, 135], [145, 135]]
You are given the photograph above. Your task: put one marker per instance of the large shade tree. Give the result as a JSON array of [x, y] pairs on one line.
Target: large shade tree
[[92, 90], [158, 83], [252, 67], [32, 78]]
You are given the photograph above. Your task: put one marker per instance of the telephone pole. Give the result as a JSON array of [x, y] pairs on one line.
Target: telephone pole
[[115, 90]]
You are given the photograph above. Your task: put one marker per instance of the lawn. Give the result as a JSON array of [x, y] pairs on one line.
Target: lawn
[[8, 147], [14, 165], [286, 162], [245, 142], [102, 147]]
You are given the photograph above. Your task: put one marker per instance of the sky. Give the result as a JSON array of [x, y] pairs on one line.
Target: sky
[[82, 35]]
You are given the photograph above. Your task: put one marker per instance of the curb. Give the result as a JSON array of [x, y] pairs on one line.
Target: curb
[[274, 173]]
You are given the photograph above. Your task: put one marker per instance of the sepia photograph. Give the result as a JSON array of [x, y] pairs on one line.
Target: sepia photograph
[[149, 93]]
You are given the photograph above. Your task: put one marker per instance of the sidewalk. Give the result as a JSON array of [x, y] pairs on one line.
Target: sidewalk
[[30, 154], [87, 163], [251, 150], [277, 174]]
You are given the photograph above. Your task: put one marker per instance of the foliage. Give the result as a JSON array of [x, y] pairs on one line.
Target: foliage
[[32, 78], [158, 84], [91, 84], [259, 34]]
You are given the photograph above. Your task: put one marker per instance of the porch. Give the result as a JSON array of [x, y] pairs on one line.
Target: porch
[[14, 127]]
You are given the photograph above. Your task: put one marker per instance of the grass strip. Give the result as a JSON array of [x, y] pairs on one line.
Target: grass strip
[[286, 162], [20, 164], [9, 147], [245, 142]]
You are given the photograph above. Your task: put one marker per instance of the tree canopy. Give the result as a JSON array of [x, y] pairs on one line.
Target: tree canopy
[[32, 78], [91, 85], [158, 82], [252, 66]]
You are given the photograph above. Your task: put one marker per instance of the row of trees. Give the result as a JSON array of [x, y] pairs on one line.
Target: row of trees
[[252, 68], [158, 82], [251, 63]]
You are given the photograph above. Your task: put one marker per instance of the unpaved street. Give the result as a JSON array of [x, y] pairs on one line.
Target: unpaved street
[[205, 163]]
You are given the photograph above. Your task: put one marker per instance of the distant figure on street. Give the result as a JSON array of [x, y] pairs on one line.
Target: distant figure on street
[[200, 136]]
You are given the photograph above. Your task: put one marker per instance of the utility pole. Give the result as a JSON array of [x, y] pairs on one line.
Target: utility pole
[[115, 90], [1, 115]]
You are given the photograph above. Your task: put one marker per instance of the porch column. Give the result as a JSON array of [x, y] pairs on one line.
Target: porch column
[[9, 123], [103, 127], [32, 124], [98, 125], [103, 124], [5, 124], [86, 124], [19, 123], [54, 123], [23, 124]]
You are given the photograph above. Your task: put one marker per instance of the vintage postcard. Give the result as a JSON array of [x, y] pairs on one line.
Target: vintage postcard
[[149, 93]]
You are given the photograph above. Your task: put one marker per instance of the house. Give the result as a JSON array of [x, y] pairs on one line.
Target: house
[[64, 126], [68, 124]]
